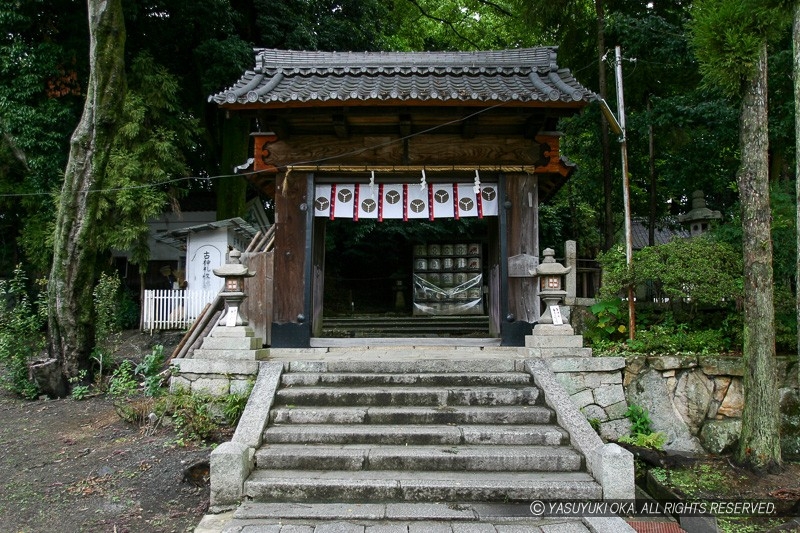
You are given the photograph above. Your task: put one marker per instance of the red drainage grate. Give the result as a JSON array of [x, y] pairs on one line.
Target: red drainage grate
[[656, 527]]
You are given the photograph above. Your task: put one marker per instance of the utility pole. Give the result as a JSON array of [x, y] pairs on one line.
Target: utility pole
[[626, 194]]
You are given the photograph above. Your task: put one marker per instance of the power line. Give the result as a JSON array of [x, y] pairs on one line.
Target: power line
[[284, 166]]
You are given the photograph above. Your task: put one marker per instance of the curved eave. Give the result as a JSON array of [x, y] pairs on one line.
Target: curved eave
[[297, 104]]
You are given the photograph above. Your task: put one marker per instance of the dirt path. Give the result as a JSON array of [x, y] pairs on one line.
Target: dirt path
[[75, 466]]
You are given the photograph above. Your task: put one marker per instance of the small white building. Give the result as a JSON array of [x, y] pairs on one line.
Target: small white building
[[206, 247]]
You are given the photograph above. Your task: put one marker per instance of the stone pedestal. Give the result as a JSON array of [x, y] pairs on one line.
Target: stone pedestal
[[550, 340], [225, 363]]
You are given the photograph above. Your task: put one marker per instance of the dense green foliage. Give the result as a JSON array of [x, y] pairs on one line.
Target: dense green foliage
[[21, 336], [698, 271], [149, 149]]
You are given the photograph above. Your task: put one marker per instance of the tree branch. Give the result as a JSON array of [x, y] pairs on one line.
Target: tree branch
[[448, 23], [500, 9]]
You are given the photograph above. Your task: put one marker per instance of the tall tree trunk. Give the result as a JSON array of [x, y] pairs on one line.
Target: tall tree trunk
[[759, 443], [651, 145], [232, 190], [605, 140], [72, 277], [796, 72]]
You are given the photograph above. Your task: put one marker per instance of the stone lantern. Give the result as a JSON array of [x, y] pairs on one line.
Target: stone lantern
[[551, 283], [233, 292]]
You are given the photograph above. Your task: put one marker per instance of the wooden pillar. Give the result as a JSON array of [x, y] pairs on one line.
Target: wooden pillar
[[290, 328], [523, 238], [318, 276]]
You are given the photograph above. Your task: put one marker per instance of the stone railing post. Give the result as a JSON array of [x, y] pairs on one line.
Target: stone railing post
[[571, 261]]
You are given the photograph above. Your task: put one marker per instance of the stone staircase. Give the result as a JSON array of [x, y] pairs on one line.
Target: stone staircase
[[414, 445], [376, 326]]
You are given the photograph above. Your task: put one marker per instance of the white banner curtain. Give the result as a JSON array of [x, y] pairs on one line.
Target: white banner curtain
[[407, 201]]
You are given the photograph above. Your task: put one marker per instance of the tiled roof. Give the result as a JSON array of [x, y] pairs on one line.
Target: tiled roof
[[522, 75], [665, 231]]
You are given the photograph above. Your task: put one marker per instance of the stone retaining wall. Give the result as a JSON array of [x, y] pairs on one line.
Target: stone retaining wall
[[595, 387], [697, 401]]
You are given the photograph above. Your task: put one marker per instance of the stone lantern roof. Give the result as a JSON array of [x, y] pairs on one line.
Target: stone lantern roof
[[550, 267], [234, 269]]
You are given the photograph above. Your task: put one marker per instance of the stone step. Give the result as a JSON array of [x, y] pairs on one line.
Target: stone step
[[210, 366], [560, 352], [554, 341], [245, 355], [461, 513], [400, 361], [418, 396], [460, 379], [345, 525], [355, 511], [392, 485], [231, 343], [513, 435], [350, 517], [427, 458], [533, 414], [233, 331]]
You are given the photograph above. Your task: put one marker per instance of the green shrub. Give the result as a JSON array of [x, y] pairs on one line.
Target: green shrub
[[234, 404], [192, 414], [150, 369], [654, 441], [123, 380], [80, 389], [642, 433], [699, 270], [610, 321], [665, 340], [107, 329], [640, 420], [21, 335]]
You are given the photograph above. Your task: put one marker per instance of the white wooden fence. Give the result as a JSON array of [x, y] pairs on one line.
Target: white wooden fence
[[173, 309]]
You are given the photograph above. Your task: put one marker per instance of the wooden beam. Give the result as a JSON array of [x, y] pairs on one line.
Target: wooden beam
[[405, 125], [388, 151], [469, 128], [262, 154], [340, 126]]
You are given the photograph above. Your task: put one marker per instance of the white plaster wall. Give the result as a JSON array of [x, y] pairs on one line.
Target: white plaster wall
[[206, 251]]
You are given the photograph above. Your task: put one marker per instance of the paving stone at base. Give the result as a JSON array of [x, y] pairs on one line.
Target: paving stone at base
[[305, 511], [387, 528], [473, 528], [339, 527], [429, 527], [294, 528], [276, 528], [567, 527], [429, 511]]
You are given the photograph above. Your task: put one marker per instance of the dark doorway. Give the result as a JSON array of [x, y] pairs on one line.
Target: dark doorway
[[368, 262]]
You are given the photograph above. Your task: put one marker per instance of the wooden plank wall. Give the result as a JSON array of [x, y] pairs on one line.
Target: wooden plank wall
[[290, 242], [259, 289]]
